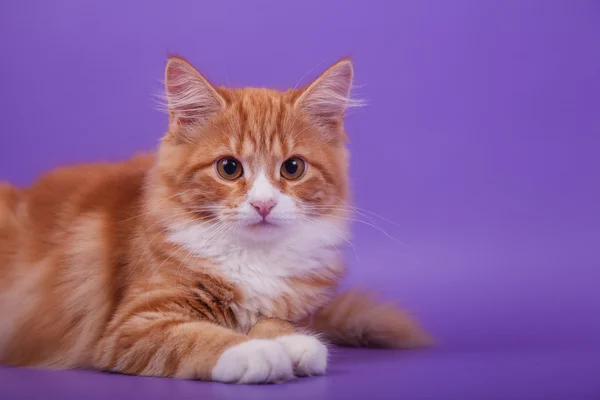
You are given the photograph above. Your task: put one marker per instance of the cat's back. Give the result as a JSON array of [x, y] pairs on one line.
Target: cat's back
[[10, 202], [35, 220], [40, 213], [61, 243], [89, 187]]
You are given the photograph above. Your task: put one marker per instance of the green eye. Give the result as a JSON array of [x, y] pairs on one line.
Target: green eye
[[293, 168], [229, 168]]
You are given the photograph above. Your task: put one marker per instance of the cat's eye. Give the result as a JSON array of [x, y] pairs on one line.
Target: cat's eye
[[229, 168], [293, 168]]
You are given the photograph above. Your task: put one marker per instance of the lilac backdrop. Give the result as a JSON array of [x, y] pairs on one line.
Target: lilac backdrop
[[480, 142]]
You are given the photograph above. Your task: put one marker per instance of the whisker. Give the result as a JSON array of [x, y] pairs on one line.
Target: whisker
[[168, 258], [338, 208], [169, 218], [156, 270], [151, 211], [151, 240], [230, 125], [371, 225], [306, 74], [181, 266], [372, 213], [358, 210], [220, 129], [341, 237]]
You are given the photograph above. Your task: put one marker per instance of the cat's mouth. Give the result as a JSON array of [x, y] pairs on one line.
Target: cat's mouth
[[262, 224]]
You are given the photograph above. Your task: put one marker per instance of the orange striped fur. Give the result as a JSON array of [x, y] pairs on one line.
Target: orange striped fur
[[165, 265]]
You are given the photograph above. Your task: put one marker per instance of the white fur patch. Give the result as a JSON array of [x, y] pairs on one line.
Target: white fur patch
[[308, 354], [283, 213], [261, 261], [254, 361], [261, 270], [263, 190]]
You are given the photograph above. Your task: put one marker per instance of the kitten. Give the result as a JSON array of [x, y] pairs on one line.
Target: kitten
[[213, 259]]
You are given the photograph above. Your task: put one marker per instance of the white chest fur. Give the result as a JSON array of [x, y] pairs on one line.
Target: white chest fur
[[263, 270]]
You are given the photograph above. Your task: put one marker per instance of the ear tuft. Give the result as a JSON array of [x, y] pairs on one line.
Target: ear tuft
[[191, 99], [328, 97]]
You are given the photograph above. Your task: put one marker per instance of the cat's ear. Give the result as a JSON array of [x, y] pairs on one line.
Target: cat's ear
[[191, 99], [328, 97]]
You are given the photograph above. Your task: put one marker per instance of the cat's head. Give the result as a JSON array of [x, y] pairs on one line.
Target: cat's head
[[259, 162]]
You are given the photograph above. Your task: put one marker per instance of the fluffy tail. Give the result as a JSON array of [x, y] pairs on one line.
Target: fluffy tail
[[357, 319]]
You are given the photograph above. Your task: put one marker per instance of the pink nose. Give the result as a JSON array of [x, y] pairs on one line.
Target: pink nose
[[263, 207]]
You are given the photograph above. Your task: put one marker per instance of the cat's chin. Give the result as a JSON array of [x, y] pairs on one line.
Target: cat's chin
[[263, 231], [264, 224]]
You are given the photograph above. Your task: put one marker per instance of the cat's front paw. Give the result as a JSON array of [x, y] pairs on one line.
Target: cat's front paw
[[254, 361], [308, 354]]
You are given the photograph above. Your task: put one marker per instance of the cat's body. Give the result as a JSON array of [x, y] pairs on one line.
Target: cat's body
[[181, 263]]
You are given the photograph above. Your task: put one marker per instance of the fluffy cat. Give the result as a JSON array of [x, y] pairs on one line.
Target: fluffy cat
[[215, 258]]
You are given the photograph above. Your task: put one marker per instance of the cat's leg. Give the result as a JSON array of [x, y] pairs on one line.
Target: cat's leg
[[308, 354], [174, 346]]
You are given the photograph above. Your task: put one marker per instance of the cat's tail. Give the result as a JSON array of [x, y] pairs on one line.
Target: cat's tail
[[357, 319]]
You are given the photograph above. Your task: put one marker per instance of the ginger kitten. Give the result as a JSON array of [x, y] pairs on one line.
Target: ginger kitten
[[216, 258]]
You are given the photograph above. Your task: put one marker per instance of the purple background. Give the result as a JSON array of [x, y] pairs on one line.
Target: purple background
[[480, 142]]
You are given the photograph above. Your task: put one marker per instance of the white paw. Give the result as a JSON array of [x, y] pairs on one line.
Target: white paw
[[254, 361], [308, 354]]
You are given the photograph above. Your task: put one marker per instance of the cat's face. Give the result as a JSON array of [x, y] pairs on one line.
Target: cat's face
[[260, 163]]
